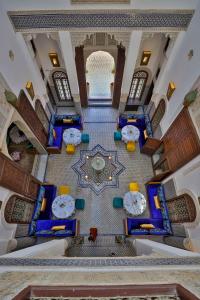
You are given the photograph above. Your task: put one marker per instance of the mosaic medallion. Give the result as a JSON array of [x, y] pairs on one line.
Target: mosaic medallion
[[98, 169]]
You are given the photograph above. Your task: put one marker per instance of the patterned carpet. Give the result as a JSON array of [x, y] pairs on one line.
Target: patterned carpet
[[98, 180], [99, 210]]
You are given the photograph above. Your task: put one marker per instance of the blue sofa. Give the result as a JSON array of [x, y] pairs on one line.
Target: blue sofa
[[159, 217], [42, 228], [54, 144], [45, 191], [142, 122]]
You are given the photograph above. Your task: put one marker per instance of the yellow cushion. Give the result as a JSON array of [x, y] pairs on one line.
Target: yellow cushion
[[147, 226], [133, 187], [157, 202], [64, 190], [130, 146], [131, 120], [54, 134], [145, 134], [60, 227], [70, 149], [44, 204], [67, 121]]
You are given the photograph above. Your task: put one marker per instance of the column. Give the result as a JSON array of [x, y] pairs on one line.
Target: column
[[80, 68], [131, 59], [70, 66], [118, 76]]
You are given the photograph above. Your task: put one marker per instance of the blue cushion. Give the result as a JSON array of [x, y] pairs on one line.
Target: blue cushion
[[44, 233], [158, 231], [32, 228], [50, 194], [50, 136], [38, 204], [152, 190], [63, 233], [80, 203], [48, 224], [167, 226], [139, 231]]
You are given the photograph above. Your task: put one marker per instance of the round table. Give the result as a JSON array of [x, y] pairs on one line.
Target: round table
[[130, 133], [134, 203], [72, 136], [63, 206], [98, 163]]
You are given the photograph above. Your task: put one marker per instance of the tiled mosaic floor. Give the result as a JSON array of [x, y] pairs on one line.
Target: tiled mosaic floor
[[98, 210]]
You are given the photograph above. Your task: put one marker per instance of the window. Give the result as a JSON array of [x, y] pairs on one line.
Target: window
[[138, 85], [62, 87], [18, 210]]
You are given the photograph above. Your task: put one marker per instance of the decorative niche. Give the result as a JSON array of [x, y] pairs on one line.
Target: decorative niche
[[30, 90], [145, 58], [171, 89], [54, 59]]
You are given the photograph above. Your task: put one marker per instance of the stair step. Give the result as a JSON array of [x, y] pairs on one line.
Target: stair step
[[107, 102]]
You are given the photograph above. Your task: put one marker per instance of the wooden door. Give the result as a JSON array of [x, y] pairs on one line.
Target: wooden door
[[181, 141], [14, 178]]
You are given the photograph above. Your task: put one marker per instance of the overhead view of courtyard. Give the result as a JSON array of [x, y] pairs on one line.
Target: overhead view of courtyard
[[100, 150]]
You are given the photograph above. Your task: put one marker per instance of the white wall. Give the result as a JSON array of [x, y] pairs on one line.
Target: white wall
[[181, 70], [63, 4]]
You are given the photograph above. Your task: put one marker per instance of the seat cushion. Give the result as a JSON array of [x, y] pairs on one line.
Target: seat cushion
[[133, 187], [70, 149], [139, 231], [130, 146], [85, 138], [118, 202], [63, 233], [64, 190], [80, 203], [117, 136]]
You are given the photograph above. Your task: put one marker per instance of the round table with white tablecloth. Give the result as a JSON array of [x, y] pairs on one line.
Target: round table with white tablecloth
[[130, 133], [134, 203], [63, 206], [72, 136]]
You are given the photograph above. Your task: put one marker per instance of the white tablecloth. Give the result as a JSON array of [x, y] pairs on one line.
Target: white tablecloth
[[63, 206], [130, 133], [134, 203], [72, 136]]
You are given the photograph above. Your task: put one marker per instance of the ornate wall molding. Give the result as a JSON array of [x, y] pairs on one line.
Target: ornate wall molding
[[99, 20]]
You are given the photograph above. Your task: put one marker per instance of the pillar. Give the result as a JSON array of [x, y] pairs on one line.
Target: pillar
[[131, 59], [80, 68], [118, 76], [70, 66]]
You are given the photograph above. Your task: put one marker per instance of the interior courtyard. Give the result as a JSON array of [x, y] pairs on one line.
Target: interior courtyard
[[100, 149]]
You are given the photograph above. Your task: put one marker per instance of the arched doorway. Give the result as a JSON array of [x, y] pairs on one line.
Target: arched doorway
[[20, 148], [18, 210], [100, 72], [181, 209]]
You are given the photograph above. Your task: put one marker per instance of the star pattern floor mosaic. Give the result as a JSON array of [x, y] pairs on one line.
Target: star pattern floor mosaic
[[99, 209], [98, 180]]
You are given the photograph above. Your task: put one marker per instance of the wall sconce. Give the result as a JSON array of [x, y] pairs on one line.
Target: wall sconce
[[30, 90], [171, 89], [145, 58], [54, 59]]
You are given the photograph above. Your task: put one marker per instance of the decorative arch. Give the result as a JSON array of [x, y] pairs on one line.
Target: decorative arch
[[62, 87], [100, 67], [138, 85], [158, 114], [42, 114], [182, 209], [18, 210]]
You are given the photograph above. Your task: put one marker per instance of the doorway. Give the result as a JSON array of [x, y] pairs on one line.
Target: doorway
[[100, 73]]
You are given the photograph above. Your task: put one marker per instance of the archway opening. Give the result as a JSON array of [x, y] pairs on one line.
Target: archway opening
[[20, 148], [100, 72]]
